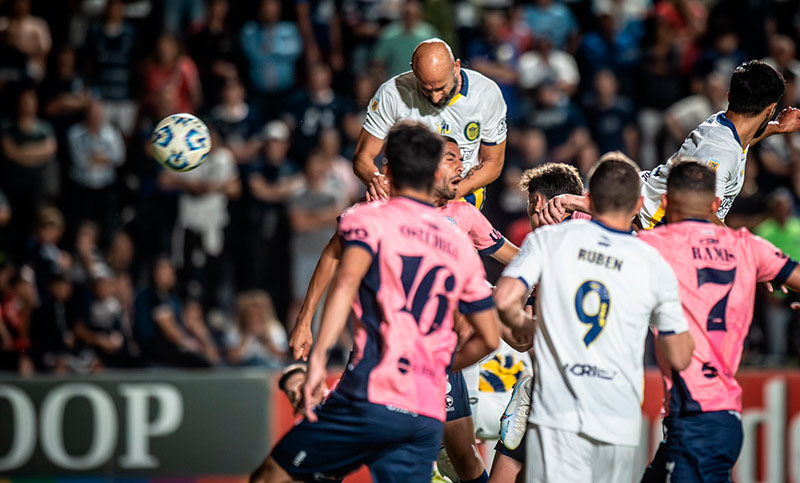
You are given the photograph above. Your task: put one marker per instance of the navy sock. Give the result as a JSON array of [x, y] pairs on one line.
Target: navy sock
[[484, 478]]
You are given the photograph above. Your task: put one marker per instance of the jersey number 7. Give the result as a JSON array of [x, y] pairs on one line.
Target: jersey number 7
[[716, 318]]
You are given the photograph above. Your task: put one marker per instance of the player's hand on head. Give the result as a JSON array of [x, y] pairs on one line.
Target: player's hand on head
[[314, 387], [378, 188], [788, 120], [300, 340], [554, 210]]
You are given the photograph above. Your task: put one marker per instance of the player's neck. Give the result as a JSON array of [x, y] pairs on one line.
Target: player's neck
[[746, 126], [417, 195], [617, 221]]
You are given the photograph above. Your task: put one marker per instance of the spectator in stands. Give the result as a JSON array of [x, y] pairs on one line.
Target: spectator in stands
[[320, 27], [615, 42], [87, 255], [158, 327], [194, 319], [171, 69], [272, 47], [5, 217], [275, 181], [97, 151], [686, 114], [28, 145], [496, 55], [553, 19], [546, 63], [342, 181], [199, 237], [398, 40], [361, 25], [17, 301], [782, 229], [564, 126], [259, 338], [215, 50], [313, 214], [183, 15], [783, 57], [722, 57], [237, 122], [312, 110], [54, 345], [611, 117], [111, 47], [65, 94], [106, 329], [29, 35], [45, 257]]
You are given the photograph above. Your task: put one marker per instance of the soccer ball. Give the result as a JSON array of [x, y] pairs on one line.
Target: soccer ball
[[181, 142]]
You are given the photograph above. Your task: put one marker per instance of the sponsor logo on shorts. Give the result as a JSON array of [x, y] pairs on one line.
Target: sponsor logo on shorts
[[396, 409], [472, 131], [449, 403], [299, 457]]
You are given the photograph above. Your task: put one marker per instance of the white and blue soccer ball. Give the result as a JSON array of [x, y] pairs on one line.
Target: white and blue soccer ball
[[181, 142]]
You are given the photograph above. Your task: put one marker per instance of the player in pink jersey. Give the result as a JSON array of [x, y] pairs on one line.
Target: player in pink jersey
[[717, 269], [405, 269], [459, 429]]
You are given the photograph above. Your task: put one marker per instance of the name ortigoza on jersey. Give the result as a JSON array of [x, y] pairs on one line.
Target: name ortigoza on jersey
[[475, 115]]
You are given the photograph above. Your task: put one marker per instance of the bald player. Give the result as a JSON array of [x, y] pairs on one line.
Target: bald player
[[451, 101]]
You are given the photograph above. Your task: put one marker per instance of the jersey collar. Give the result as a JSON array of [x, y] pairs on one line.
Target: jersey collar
[[464, 88], [723, 119], [606, 227], [414, 200]]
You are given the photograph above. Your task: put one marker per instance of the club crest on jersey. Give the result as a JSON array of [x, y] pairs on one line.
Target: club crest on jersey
[[713, 164], [472, 131], [443, 127], [374, 105]]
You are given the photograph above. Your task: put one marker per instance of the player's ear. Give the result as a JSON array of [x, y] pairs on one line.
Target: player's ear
[[664, 201], [715, 205], [639, 205]]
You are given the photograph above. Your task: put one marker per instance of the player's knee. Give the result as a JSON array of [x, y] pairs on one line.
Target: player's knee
[[270, 472]]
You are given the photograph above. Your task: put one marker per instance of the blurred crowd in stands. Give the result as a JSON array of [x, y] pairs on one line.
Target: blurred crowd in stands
[[108, 261]]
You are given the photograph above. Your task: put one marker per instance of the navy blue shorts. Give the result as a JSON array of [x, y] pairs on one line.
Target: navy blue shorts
[[701, 447], [515, 454], [398, 446], [456, 398]]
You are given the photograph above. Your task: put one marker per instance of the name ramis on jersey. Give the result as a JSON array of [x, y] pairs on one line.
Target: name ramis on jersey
[[429, 237], [710, 254], [600, 259]]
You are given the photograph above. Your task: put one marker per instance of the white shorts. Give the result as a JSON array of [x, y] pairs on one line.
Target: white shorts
[[560, 456], [487, 411]]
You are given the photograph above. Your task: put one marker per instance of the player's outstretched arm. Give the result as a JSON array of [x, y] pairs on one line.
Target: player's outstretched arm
[[793, 282], [301, 339], [356, 260], [491, 159], [485, 338], [368, 148], [509, 299], [677, 349], [506, 253], [787, 121]]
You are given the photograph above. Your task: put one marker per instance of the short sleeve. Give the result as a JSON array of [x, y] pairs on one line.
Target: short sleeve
[[494, 117], [357, 228], [667, 315], [477, 293], [382, 111], [772, 264], [716, 159], [486, 239], [527, 265]]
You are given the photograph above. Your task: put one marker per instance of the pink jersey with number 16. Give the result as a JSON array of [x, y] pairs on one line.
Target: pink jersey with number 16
[[422, 269], [718, 270]]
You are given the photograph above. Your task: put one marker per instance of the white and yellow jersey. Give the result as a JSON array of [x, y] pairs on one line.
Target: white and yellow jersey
[[714, 142], [475, 115], [598, 290]]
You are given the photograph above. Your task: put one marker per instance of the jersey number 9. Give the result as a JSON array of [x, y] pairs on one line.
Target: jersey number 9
[[592, 304]]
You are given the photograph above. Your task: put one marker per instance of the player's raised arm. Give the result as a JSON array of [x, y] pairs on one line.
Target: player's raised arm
[[301, 338], [368, 148], [491, 160], [356, 260]]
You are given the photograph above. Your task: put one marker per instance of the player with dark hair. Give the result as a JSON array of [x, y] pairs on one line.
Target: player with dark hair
[[459, 430], [718, 269], [721, 142], [599, 287], [404, 268]]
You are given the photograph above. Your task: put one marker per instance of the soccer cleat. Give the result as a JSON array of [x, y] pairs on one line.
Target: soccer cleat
[[514, 421]]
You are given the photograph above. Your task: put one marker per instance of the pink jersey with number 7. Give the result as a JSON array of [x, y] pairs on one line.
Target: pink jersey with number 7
[[422, 269], [718, 270]]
